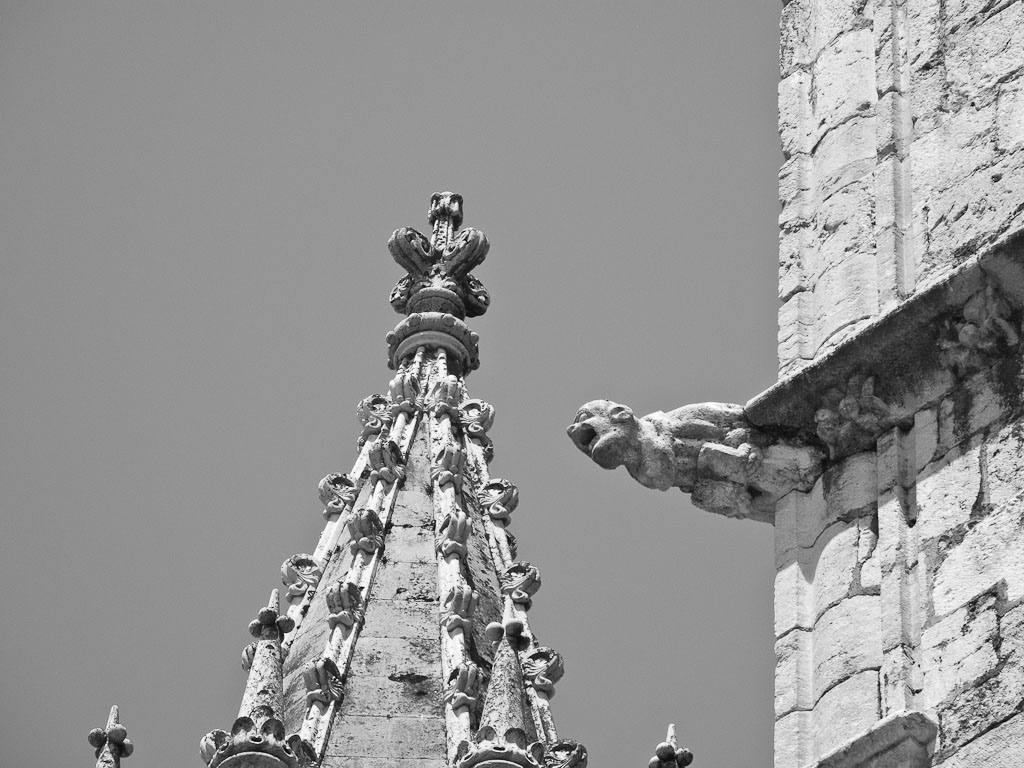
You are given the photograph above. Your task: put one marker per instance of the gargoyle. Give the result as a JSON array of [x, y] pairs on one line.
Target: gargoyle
[[708, 450]]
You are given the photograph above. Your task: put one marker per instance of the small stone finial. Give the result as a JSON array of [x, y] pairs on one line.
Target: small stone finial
[[111, 743], [269, 623], [668, 754]]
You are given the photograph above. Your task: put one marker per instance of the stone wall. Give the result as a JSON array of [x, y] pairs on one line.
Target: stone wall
[[902, 123], [900, 583]]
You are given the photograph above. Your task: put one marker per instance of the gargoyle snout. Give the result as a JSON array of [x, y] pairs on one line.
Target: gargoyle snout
[[583, 436]]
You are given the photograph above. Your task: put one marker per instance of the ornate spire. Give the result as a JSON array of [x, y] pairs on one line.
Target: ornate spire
[[438, 292], [112, 743], [257, 738]]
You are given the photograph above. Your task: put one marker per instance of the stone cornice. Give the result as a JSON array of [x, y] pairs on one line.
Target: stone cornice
[[898, 347]]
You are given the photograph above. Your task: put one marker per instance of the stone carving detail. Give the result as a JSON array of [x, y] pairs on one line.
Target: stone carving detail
[[248, 654], [323, 681], [301, 573], [345, 603], [270, 617], [521, 582], [247, 737], [708, 450], [542, 668], [438, 268], [477, 417], [337, 493], [460, 607], [984, 330], [464, 686], [566, 754], [491, 749], [449, 467], [405, 394], [445, 397], [669, 755], [386, 463], [499, 499], [112, 740], [374, 413], [850, 421], [454, 533], [366, 532]]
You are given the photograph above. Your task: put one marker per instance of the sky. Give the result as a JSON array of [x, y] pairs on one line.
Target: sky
[[195, 201]]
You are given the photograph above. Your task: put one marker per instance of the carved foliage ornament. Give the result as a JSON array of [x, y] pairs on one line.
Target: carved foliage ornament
[[386, 463], [499, 750], [464, 686], [850, 420], [374, 413], [477, 418], [449, 467], [499, 499], [301, 573], [438, 268], [984, 330], [460, 607], [366, 532], [323, 681], [542, 668], [405, 393], [454, 534], [520, 582], [566, 754], [344, 601], [218, 745], [337, 493], [445, 397]]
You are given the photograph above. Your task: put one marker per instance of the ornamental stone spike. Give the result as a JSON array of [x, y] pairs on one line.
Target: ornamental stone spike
[[668, 754], [264, 692], [111, 743]]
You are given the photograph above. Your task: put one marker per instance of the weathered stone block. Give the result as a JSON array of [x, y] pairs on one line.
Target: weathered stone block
[[978, 709], [387, 656], [795, 328], [403, 694], [406, 619], [851, 486], [1010, 116], [946, 492], [990, 552], [845, 224], [386, 762], [958, 650], [794, 34], [794, 746], [847, 640], [793, 673], [833, 562], [901, 740], [924, 32], [794, 114], [845, 154], [411, 543], [794, 190], [832, 18], [792, 600], [849, 708], [794, 245], [399, 580], [926, 438], [1001, 747], [845, 294], [986, 54], [391, 738], [844, 80]]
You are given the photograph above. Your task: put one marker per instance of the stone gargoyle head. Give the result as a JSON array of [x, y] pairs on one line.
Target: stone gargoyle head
[[608, 433]]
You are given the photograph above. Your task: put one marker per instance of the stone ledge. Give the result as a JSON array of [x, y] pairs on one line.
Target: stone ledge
[[898, 346], [902, 740]]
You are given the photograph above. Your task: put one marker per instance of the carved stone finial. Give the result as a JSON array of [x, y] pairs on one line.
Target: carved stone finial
[[301, 573], [499, 499], [708, 450], [542, 668], [984, 330], [111, 743], [669, 755], [850, 420], [438, 292], [507, 737], [337, 493], [257, 737]]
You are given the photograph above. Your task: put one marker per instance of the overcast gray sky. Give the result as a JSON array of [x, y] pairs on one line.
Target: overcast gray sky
[[194, 203]]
